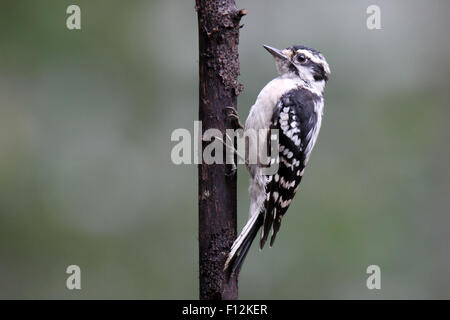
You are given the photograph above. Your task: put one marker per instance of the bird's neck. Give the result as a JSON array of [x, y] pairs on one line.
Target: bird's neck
[[312, 85]]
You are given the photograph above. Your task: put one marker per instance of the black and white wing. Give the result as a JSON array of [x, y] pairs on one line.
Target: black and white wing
[[298, 118]]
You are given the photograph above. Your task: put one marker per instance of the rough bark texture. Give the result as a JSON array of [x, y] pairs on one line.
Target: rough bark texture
[[218, 30]]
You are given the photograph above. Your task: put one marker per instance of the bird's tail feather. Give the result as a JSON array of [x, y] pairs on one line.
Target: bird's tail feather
[[242, 244]]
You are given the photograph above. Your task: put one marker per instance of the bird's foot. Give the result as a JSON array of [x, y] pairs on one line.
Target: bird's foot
[[233, 116]]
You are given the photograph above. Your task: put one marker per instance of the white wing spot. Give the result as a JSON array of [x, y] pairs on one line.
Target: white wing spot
[[284, 204], [275, 196]]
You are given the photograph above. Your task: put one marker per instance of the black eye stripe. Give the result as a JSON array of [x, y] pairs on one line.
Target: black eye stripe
[[319, 72]]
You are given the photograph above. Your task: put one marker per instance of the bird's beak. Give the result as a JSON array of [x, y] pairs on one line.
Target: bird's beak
[[276, 53]]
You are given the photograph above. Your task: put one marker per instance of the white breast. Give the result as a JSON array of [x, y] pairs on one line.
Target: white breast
[[261, 112]]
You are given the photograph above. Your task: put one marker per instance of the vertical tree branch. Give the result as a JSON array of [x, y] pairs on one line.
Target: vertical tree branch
[[218, 32]]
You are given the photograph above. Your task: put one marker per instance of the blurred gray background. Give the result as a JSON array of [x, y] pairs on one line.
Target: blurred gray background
[[85, 171]]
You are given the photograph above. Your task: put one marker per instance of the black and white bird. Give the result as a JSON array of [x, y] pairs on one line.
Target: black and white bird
[[293, 104]]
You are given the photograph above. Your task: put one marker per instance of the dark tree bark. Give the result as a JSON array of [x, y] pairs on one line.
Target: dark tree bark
[[218, 32]]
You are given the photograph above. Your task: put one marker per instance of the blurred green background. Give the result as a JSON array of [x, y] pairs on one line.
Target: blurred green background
[[85, 171]]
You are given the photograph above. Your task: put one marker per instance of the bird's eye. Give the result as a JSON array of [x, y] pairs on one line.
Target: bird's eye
[[301, 58]]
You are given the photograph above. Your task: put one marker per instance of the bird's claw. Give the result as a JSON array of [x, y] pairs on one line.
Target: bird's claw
[[234, 117]]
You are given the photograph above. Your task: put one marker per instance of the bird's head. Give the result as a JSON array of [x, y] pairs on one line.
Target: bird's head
[[299, 61]]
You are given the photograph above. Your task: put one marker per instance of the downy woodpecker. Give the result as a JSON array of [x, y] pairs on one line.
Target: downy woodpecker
[[293, 104]]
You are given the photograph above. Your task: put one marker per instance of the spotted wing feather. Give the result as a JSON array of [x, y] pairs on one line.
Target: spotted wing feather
[[296, 119]]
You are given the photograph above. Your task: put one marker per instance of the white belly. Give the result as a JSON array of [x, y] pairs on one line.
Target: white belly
[[260, 117]]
